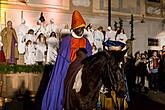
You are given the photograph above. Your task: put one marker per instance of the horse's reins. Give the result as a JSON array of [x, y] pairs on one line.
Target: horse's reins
[[114, 88]]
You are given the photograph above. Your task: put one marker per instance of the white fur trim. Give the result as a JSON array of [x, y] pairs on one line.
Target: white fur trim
[[75, 36], [78, 83]]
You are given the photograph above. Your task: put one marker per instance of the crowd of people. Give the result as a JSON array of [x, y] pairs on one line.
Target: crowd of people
[[32, 44], [69, 59], [147, 71], [40, 44], [49, 44]]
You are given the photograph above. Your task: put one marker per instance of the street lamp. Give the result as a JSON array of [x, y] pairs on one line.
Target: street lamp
[[109, 17], [109, 12]]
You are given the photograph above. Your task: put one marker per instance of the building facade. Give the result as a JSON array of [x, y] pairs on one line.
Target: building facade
[[148, 16]]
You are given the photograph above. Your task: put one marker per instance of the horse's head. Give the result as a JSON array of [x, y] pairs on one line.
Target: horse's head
[[104, 65], [98, 69], [112, 75]]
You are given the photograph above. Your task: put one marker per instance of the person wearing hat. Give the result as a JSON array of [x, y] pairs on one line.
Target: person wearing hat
[[21, 30], [117, 42], [51, 27], [54, 94], [39, 28]]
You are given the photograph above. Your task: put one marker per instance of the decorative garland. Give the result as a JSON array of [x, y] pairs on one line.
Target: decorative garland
[[7, 69]]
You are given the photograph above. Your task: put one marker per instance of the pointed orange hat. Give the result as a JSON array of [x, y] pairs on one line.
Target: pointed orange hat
[[77, 20]]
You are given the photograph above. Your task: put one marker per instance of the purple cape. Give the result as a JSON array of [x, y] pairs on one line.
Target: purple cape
[[54, 94]]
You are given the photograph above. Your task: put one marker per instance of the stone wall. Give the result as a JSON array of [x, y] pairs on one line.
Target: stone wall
[[13, 82]]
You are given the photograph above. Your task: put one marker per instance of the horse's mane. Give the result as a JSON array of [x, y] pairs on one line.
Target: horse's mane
[[112, 56], [100, 68], [99, 57], [101, 65]]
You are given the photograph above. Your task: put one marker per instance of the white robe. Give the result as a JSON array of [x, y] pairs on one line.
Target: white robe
[[51, 28], [110, 35], [53, 45], [122, 38], [21, 30], [89, 36], [30, 55], [29, 37], [40, 52], [98, 39], [78, 82], [38, 29], [64, 33]]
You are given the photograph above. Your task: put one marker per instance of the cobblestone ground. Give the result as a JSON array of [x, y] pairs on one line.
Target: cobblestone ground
[[141, 101], [151, 101]]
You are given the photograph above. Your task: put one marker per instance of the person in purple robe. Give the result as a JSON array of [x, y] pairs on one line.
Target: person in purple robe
[[54, 94], [10, 43]]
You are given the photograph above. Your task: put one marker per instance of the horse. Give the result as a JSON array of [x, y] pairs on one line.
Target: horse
[[99, 69]]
